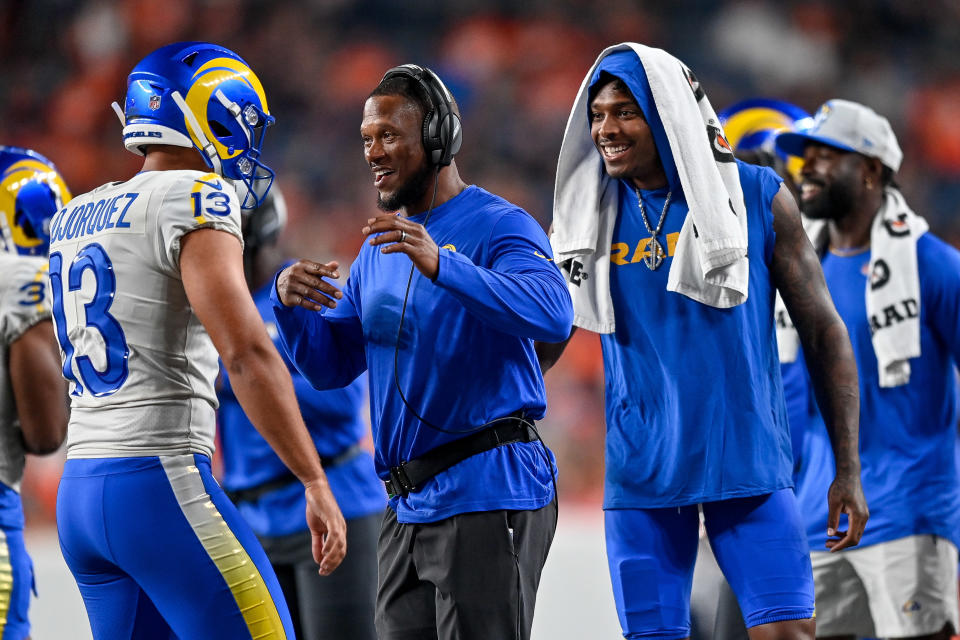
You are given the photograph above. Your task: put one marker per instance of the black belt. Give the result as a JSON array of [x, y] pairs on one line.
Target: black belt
[[410, 476], [252, 494]]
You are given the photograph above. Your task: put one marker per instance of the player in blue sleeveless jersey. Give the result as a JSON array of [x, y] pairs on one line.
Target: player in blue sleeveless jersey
[[33, 395], [695, 409], [897, 288], [268, 496], [442, 306]]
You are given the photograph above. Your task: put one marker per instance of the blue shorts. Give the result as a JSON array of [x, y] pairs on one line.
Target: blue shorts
[[156, 547], [760, 546], [16, 583]]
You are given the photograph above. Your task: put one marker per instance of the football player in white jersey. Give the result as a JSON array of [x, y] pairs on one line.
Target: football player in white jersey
[[148, 286], [33, 407]]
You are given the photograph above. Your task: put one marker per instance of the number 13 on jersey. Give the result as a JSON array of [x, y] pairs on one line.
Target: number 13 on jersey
[[88, 377]]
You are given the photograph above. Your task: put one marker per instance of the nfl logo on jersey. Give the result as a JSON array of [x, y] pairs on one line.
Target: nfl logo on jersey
[[154, 102]]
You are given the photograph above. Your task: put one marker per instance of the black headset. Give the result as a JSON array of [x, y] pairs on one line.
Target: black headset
[[262, 226], [442, 133]]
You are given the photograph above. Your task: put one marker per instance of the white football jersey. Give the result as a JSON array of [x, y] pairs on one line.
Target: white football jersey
[[24, 301], [141, 367]]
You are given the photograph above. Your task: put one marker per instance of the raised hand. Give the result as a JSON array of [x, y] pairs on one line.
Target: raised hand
[[401, 235]]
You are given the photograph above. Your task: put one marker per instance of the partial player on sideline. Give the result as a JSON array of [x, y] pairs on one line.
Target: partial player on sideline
[[33, 395], [897, 288]]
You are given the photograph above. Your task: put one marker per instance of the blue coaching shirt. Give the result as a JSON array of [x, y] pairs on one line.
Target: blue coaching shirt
[[466, 353], [335, 421], [695, 408], [908, 434]]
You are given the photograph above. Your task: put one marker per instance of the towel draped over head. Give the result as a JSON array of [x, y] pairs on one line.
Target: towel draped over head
[[710, 262]]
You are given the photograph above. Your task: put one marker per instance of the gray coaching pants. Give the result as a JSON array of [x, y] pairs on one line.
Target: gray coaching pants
[[470, 576]]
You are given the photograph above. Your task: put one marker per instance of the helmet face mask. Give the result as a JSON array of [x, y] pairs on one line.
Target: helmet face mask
[[205, 96], [240, 130], [31, 192]]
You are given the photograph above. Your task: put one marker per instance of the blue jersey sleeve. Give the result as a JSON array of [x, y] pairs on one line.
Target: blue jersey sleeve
[[939, 268], [325, 346], [523, 292]]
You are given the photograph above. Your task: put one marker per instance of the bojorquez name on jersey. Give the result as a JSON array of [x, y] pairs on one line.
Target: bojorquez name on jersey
[[89, 218]]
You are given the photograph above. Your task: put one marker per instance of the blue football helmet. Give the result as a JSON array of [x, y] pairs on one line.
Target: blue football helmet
[[753, 125], [201, 95], [31, 191]]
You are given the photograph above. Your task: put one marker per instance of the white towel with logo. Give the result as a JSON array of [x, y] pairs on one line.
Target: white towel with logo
[[892, 291], [710, 261]]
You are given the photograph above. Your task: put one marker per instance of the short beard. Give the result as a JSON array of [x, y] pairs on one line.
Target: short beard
[[410, 192], [834, 202]]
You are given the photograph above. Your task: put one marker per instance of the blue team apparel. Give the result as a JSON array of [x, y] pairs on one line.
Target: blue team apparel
[[651, 554], [116, 507], [694, 401], [11, 508], [466, 353], [695, 408], [16, 569], [801, 407], [908, 434], [335, 421]]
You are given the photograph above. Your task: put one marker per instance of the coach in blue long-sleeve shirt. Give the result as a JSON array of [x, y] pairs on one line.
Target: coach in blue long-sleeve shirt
[[483, 288]]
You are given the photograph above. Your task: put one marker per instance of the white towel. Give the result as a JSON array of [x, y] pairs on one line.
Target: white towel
[[892, 291], [710, 261]]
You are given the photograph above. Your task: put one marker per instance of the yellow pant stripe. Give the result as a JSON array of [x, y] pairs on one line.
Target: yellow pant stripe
[[6, 581], [231, 559]]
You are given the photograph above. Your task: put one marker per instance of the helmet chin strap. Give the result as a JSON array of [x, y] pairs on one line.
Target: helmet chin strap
[[208, 149], [234, 110], [117, 110]]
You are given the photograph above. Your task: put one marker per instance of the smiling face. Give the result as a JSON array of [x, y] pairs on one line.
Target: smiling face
[[623, 137], [832, 182], [393, 148]]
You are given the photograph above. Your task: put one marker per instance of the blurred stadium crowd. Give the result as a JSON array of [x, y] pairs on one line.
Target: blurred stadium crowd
[[514, 68]]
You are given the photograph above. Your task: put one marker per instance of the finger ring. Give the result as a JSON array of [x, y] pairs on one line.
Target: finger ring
[[403, 235], [300, 299]]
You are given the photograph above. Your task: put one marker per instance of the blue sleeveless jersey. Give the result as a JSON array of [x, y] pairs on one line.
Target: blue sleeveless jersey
[[694, 402], [908, 434], [335, 421]]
